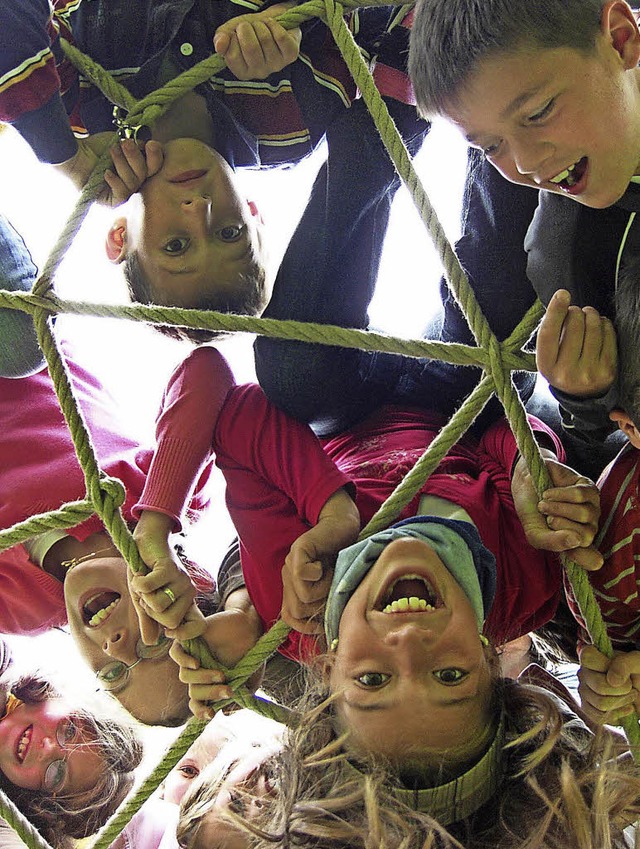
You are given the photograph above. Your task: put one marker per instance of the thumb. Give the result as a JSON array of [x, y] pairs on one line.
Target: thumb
[[221, 41], [310, 571]]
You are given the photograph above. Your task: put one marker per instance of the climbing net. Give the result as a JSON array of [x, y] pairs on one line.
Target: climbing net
[[105, 495]]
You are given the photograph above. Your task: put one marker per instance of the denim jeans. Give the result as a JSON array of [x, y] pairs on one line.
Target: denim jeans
[[20, 354], [330, 279]]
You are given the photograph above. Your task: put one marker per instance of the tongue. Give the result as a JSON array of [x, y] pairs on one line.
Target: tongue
[[99, 602], [409, 587]]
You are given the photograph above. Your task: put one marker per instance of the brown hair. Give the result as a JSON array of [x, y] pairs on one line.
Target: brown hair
[[249, 298], [77, 815]]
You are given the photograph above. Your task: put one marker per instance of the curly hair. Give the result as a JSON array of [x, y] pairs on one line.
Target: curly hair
[[249, 298], [77, 815], [562, 788]]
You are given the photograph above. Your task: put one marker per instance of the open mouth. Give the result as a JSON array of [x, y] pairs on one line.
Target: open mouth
[[568, 179], [22, 746], [97, 608], [410, 594]]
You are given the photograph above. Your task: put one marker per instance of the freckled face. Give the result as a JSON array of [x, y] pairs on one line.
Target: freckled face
[[558, 119], [36, 738], [412, 679]]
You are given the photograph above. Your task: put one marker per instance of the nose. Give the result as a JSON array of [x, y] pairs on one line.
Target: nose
[[198, 209], [413, 644], [49, 747], [115, 644], [529, 155]]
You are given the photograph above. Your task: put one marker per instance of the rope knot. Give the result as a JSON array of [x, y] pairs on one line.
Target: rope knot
[[113, 489]]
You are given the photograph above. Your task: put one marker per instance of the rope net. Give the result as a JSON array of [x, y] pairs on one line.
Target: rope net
[[105, 495]]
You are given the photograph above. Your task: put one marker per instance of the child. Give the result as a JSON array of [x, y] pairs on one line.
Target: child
[[192, 239], [549, 92], [66, 767]]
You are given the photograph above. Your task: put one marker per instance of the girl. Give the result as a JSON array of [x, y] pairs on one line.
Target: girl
[[66, 767]]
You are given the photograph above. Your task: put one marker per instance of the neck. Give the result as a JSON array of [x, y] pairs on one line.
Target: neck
[[188, 117]]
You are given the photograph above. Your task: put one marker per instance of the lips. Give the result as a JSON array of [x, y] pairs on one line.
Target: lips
[[189, 176], [572, 179], [23, 743]]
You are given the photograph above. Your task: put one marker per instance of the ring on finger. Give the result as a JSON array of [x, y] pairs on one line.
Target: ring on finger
[[169, 593]]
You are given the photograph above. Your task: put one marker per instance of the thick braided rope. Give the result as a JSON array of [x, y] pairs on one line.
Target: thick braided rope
[[105, 494]]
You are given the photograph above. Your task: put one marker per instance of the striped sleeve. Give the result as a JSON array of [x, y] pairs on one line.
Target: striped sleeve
[[31, 83], [615, 585]]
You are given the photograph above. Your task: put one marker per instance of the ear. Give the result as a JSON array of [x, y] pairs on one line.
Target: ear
[[116, 243], [255, 212], [626, 426], [619, 26]]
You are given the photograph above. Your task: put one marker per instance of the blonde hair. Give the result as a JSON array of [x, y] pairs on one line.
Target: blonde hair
[[562, 788]]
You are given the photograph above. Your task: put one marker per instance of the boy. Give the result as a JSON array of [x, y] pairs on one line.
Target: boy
[[192, 240], [549, 92]]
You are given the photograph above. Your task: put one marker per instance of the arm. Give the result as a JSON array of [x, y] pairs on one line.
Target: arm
[[191, 405], [29, 51]]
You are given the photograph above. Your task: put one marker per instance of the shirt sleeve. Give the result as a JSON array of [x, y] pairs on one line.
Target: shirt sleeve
[[191, 405], [30, 82], [499, 443]]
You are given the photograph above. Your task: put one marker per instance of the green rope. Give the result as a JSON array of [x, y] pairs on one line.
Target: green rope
[[105, 495], [20, 824], [68, 516]]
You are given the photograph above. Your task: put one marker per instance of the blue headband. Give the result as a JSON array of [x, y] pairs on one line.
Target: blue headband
[[456, 543]]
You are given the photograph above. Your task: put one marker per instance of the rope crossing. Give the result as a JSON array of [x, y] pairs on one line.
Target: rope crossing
[[105, 495]]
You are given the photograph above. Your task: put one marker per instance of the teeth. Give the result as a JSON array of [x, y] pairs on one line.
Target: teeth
[[401, 605], [23, 745], [564, 175], [101, 615]]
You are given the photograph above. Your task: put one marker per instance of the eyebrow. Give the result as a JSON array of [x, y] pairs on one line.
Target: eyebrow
[[512, 107], [382, 705]]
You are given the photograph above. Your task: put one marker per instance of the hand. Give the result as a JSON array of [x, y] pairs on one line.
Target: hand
[[132, 165], [256, 45], [205, 685], [566, 519], [576, 349], [308, 568], [166, 594], [609, 687]]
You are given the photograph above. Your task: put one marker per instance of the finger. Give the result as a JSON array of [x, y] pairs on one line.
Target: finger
[[303, 618], [154, 155], [588, 558], [186, 630], [592, 342], [609, 346], [313, 593], [576, 512], [200, 676], [550, 330], [182, 657], [286, 42], [310, 571], [149, 629], [162, 574], [592, 659], [210, 692], [117, 191], [609, 717], [622, 667], [235, 60], [222, 40], [303, 626]]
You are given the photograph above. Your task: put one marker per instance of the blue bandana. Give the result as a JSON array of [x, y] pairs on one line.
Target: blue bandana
[[456, 543]]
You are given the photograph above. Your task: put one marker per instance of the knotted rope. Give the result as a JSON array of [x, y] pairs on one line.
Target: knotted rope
[[105, 495]]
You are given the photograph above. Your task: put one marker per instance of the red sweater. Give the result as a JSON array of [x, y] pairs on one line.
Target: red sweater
[[39, 472], [279, 477]]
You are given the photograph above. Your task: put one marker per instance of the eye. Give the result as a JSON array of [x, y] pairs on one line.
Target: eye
[[175, 246], [543, 113], [372, 680], [54, 776], [450, 676], [231, 233], [491, 150], [68, 731], [189, 771]]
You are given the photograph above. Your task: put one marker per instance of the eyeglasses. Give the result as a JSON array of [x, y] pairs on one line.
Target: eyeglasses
[[68, 732], [114, 676]]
